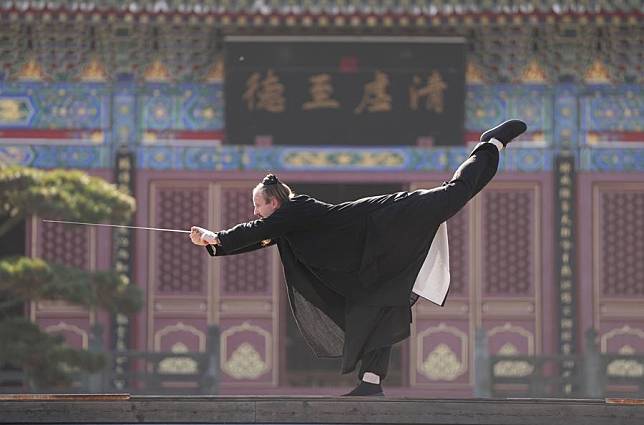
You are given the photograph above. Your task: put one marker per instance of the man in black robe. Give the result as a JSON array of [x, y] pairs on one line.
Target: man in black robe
[[352, 268]]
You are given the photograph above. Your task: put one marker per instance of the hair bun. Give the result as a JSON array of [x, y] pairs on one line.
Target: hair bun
[[270, 179]]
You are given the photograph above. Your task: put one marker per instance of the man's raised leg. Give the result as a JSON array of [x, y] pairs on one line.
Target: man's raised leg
[[477, 171]]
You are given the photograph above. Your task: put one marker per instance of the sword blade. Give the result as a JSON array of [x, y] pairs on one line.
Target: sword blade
[[157, 229]]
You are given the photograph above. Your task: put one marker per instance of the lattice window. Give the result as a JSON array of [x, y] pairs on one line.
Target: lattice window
[[246, 273], [622, 243], [61, 48], [11, 48], [624, 54], [64, 244], [123, 48], [563, 51], [180, 268], [457, 228], [187, 49], [507, 242]]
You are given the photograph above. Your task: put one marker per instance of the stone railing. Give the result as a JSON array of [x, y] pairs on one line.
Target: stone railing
[[590, 374], [143, 372]]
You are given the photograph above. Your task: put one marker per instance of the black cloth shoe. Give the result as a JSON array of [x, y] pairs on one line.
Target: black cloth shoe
[[366, 389], [505, 132]]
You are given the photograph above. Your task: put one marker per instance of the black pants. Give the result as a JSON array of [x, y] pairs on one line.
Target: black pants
[[376, 361], [468, 180]]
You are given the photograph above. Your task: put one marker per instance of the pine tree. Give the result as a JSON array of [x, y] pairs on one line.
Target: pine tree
[[67, 195]]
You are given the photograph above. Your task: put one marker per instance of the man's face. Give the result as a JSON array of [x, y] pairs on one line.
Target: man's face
[[262, 208]]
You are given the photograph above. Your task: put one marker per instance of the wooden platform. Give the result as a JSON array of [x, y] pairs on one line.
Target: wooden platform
[[123, 409]]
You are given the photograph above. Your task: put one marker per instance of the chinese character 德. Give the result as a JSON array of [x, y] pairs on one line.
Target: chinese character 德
[[321, 90], [433, 91], [266, 94], [375, 97]]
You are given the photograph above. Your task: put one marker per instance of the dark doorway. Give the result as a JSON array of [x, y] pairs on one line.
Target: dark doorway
[[12, 244], [300, 367]]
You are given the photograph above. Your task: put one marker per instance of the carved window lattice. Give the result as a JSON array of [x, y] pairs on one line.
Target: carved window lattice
[[245, 273], [507, 242], [458, 253], [180, 268], [122, 47], [512, 41], [188, 51], [563, 51], [60, 48], [622, 242], [64, 244]]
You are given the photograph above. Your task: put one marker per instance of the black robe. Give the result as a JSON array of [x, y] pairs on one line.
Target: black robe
[[349, 267]]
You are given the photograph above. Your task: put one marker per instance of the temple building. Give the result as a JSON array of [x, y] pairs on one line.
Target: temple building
[[134, 92]]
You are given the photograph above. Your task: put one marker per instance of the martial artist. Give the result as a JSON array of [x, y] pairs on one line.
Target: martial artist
[[354, 269]]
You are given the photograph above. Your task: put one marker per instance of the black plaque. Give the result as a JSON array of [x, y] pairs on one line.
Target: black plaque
[[565, 255], [345, 90], [123, 242]]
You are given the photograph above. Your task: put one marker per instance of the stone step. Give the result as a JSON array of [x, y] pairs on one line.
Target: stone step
[[126, 409]]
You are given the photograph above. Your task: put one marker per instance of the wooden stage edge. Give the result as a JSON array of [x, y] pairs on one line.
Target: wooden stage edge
[[126, 409]]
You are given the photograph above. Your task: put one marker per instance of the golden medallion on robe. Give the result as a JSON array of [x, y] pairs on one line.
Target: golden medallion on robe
[[265, 242]]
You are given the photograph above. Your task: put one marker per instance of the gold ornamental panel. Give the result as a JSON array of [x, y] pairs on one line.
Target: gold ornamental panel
[[180, 328], [61, 327], [245, 362], [442, 363], [623, 367], [178, 365]]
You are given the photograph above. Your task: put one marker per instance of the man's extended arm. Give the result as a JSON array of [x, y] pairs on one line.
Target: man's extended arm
[[246, 234], [218, 250], [204, 237]]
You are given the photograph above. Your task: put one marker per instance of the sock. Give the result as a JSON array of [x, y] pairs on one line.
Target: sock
[[496, 143], [371, 378]]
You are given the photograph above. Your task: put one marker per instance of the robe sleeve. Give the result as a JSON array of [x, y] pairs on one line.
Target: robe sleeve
[[254, 232], [218, 251]]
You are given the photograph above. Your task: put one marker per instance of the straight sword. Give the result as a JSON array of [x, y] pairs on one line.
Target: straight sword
[[118, 225]]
